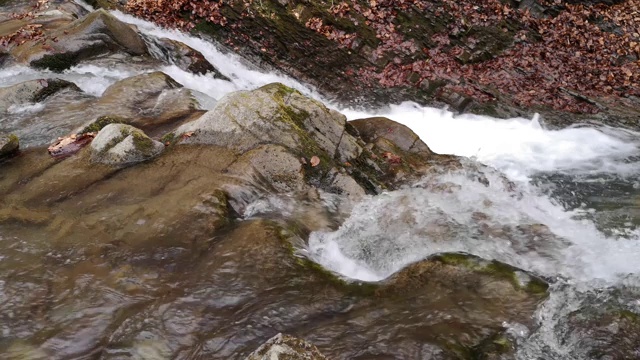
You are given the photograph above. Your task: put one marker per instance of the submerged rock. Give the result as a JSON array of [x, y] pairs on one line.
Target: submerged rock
[[9, 145], [120, 144], [605, 326], [285, 347]]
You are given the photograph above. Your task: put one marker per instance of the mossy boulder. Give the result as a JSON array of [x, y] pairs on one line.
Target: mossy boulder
[[278, 115], [9, 145], [120, 145], [283, 347], [274, 114], [32, 91], [492, 278]]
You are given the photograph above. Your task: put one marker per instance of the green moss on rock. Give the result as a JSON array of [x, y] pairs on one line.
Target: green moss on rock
[[143, 143], [495, 268], [168, 138], [103, 121]]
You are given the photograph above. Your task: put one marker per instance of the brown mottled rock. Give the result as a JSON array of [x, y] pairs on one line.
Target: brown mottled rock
[[371, 129]]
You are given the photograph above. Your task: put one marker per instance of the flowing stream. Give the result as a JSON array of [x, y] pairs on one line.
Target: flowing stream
[[581, 182]]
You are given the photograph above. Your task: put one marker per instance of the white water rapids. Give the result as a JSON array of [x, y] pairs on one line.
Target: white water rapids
[[384, 233]]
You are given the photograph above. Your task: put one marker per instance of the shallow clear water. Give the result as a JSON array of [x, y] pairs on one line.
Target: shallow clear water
[[573, 219]]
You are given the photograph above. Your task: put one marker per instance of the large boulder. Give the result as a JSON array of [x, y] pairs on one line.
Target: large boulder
[[96, 34], [120, 144], [282, 347], [278, 115]]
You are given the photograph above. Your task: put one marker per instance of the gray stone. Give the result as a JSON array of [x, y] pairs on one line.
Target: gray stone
[[286, 347], [120, 144]]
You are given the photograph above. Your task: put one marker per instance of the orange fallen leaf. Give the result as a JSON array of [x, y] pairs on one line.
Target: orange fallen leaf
[[315, 161], [70, 145]]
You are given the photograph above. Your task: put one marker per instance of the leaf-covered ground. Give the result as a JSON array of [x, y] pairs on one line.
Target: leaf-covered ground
[[553, 53]]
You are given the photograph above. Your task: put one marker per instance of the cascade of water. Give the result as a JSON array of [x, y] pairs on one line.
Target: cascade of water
[[377, 240]]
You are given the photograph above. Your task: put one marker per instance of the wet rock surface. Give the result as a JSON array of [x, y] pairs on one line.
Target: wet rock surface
[[93, 35], [183, 56], [185, 233], [193, 274], [57, 35]]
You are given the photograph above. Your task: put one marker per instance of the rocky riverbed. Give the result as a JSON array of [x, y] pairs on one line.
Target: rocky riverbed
[[150, 220]]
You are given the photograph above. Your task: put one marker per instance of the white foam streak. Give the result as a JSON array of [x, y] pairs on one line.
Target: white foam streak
[[387, 232]]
